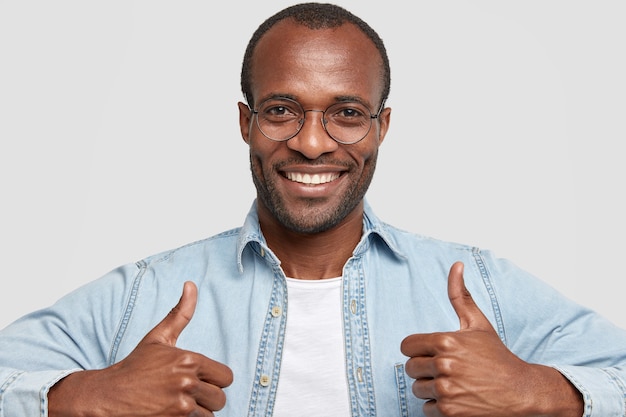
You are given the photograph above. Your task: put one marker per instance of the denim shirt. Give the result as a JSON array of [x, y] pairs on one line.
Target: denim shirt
[[394, 285]]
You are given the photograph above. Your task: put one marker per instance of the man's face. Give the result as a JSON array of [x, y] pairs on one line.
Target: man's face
[[317, 68]]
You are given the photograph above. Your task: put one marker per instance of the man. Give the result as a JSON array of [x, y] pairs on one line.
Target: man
[[314, 306]]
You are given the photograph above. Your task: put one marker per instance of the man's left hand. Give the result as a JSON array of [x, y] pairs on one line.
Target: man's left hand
[[470, 372]]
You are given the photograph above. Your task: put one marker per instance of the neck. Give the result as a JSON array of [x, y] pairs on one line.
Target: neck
[[313, 256]]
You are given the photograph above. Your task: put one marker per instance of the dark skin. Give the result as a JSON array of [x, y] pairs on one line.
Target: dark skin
[[310, 249], [315, 67], [464, 373], [156, 379], [470, 372]]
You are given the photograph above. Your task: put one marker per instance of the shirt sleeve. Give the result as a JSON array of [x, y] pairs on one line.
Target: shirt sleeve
[[26, 393], [540, 325], [78, 332], [602, 389]]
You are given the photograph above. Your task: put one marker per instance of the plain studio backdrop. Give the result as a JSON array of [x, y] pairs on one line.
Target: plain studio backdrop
[[119, 135]]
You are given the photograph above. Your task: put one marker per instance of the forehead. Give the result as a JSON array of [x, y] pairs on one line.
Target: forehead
[[316, 64]]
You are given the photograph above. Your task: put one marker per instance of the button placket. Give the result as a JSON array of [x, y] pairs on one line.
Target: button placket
[[357, 340], [270, 349], [277, 311]]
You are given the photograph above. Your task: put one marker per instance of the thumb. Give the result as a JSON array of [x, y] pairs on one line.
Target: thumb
[[168, 330], [466, 309]]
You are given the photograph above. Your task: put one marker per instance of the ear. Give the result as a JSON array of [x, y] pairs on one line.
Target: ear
[[245, 121], [383, 122]]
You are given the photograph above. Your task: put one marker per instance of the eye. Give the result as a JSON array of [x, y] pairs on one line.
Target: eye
[[347, 113], [350, 113], [276, 110]]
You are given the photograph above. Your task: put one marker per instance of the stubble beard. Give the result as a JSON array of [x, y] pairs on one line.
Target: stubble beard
[[315, 219]]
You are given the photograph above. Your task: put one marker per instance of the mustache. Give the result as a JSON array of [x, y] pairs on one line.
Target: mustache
[[322, 160]]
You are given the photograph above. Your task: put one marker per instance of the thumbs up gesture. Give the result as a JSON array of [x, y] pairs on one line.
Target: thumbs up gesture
[[470, 372], [156, 379]]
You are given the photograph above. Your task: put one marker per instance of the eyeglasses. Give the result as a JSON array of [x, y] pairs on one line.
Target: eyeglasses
[[280, 119]]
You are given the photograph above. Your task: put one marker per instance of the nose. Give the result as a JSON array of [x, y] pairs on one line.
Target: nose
[[312, 140]]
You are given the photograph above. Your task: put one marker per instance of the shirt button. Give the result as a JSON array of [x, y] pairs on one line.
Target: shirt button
[[264, 381], [276, 311], [262, 253], [353, 306]]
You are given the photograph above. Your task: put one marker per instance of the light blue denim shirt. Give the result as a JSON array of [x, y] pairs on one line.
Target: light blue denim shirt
[[394, 285]]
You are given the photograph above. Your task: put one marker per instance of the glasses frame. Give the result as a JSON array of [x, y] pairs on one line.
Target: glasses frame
[[324, 121]]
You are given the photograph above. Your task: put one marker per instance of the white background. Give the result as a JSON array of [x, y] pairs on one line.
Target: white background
[[119, 135]]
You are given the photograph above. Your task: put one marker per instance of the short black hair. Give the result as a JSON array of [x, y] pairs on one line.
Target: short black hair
[[313, 16]]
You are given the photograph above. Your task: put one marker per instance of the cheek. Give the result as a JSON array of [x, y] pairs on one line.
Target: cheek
[[264, 152], [259, 146], [364, 153]]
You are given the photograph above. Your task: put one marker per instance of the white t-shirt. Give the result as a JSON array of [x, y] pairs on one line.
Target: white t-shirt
[[313, 370]]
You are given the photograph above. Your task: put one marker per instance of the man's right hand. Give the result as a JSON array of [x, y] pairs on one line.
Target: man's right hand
[[156, 379]]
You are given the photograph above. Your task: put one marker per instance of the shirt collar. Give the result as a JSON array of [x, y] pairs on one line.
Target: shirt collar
[[250, 235]]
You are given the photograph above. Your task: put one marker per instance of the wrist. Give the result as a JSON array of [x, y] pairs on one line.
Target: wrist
[[66, 398], [555, 394]]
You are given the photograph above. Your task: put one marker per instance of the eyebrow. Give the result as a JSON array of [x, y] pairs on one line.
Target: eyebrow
[[337, 99], [273, 96], [354, 99]]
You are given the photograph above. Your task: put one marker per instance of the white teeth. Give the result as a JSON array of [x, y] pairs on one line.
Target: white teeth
[[312, 179]]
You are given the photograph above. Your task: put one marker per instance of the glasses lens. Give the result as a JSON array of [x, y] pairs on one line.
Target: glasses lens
[[348, 122], [280, 119]]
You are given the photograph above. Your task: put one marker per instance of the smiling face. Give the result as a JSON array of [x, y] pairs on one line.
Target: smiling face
[[311, 183]]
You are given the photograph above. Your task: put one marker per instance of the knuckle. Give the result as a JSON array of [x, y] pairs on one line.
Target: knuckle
[[446, 342], [441, 388], [186, 406], [187, 360], [446, 408], [188, 384], [444, 365]]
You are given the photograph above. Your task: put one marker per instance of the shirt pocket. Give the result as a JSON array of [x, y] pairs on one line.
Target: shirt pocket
[[410, 406]]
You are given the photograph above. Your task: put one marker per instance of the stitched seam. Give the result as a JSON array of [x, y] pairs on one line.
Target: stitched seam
[[5, 386], [480, 262], [130, 305], [620, 385]]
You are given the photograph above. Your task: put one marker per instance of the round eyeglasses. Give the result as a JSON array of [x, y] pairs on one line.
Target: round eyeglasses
[[280, 119]]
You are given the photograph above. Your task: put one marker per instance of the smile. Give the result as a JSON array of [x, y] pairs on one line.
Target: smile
[[313, 179]]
